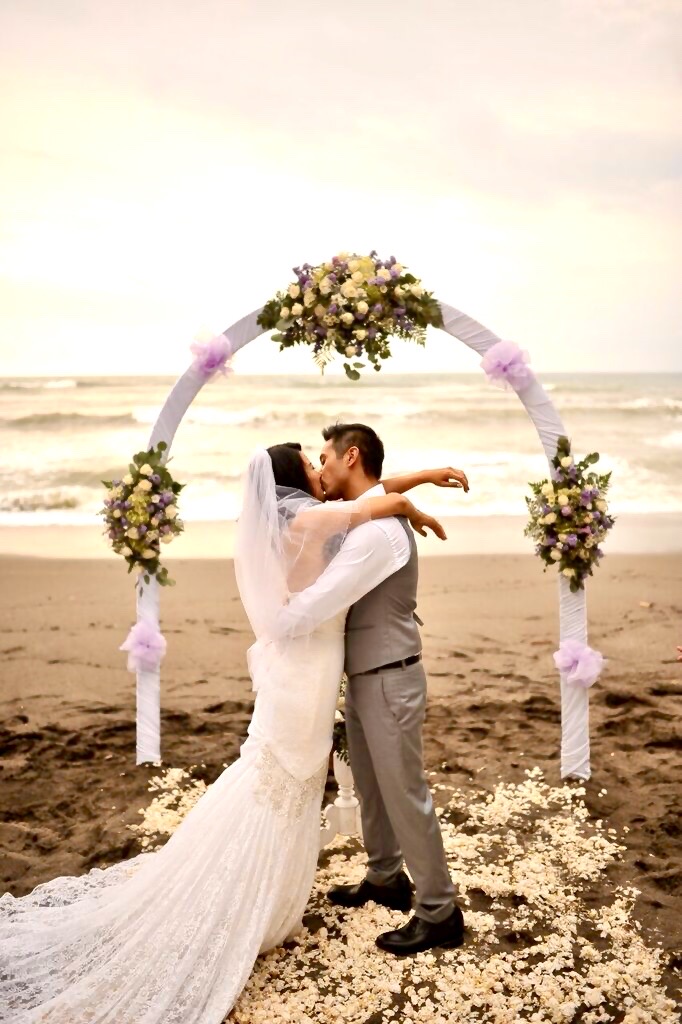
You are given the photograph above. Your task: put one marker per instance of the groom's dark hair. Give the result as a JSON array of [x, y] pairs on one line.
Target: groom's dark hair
[[357, 435]]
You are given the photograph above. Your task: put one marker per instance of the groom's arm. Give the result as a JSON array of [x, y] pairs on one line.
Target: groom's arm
[[366, 558]]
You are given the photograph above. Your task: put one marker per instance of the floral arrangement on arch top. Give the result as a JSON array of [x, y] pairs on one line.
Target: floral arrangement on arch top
[[351, 306]]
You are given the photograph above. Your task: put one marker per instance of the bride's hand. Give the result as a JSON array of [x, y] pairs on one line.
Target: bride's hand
[[448, 477], [420, 522]]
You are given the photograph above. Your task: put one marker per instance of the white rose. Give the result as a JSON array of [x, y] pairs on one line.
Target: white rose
[[284, 313], [360, 335], [132, 533], [309, 297], [363, 307], [294, 291], [296, 309], [320, 311], [126, 551], [154, 521], [347, 318], [398, 292], [167, 538], [555, 555], [146, 470], [568, 572], [148, 553], [117, 513], [357, 276], [568, 461], [144, 485], [589, 517], [127, 480], [417, 290], [325, 286], [354, 265], [349, 290], [351, 350], [152, 535], [601, 505], [398, 267], [548, 490], [563, 500], [383, 273], [171, 512], [549, 518]]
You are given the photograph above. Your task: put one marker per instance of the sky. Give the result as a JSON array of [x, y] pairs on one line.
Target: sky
[[164, 165]]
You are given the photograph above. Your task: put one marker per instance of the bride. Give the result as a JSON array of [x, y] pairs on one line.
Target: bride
[[171, 936]]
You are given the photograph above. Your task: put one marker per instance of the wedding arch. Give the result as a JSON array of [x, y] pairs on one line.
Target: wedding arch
[[575, 746]]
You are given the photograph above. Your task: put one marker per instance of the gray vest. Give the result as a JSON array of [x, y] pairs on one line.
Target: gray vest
[[382, 627]]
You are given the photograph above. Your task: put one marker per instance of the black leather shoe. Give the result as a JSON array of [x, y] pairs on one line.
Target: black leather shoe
[[418, 935], [397, 895]]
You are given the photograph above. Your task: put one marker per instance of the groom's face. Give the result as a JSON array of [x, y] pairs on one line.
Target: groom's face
[[335, 472]]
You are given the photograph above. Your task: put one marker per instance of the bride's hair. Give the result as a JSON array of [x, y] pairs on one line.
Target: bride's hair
[[287, 466]]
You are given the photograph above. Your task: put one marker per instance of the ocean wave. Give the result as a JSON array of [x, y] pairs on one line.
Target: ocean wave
[[50, 420], [38, 502], [38, 385]]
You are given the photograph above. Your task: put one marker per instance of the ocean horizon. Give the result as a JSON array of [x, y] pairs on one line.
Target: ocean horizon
[[62, 435]]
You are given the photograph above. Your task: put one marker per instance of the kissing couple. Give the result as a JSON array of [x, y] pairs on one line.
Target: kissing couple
[[326, 565]]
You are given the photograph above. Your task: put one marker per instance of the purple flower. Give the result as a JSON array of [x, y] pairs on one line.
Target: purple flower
[[400, 311], [580, 664], [572, 540], [566, 511], [211, 356], [372, 332], [506, 366], [586, 498], [146, 647], [156, 479], [142, 529], [332, 277], [394, 272], [377, 308]]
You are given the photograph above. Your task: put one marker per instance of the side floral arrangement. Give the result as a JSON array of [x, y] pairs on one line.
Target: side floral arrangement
[[569, 515], [140, 513]]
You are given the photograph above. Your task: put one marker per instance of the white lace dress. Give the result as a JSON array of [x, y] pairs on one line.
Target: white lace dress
[[171, 937]]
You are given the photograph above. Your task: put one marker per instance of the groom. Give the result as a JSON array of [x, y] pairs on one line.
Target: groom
[[385, 705]]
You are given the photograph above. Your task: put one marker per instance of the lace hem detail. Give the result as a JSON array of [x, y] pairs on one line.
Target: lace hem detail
[[286, 795]]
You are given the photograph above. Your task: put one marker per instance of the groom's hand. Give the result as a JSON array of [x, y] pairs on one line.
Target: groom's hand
[[448, 477]]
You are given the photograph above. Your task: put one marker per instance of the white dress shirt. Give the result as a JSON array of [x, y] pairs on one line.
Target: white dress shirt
[[370, 553]]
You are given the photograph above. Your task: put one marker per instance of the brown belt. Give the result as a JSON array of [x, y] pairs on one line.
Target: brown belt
[[412, 660]]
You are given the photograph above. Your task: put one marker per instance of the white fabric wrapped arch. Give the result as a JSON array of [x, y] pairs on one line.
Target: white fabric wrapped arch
[[575, 744]]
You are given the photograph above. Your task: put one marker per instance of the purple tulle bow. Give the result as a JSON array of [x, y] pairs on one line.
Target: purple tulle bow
[[211, 356], [146, 647], [506, 365], [580, 664]]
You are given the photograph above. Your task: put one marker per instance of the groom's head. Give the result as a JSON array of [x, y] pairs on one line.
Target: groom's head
[[351, 460]]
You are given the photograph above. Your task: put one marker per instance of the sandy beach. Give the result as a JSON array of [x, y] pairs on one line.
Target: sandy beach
[[70, 785]]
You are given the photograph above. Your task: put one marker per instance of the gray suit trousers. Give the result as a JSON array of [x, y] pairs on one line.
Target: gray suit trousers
[[384, 719]]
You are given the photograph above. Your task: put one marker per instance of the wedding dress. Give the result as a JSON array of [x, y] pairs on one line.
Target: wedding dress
[[171, 936]]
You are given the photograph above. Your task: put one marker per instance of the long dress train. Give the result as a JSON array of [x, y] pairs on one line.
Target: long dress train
[[171, 936]]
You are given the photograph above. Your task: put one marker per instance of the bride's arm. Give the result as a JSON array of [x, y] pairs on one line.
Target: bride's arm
[[447, 477], [338, 516]]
